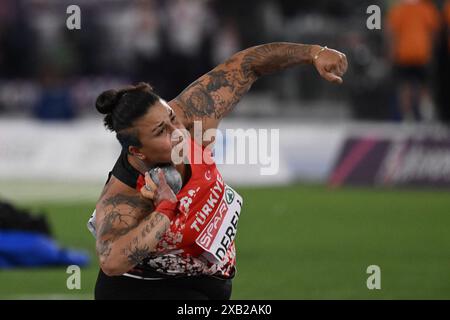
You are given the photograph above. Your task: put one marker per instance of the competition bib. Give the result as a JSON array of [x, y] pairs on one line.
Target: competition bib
[[218, 235]]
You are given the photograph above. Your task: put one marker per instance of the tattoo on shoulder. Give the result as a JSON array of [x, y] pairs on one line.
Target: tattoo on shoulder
[[215, 94]]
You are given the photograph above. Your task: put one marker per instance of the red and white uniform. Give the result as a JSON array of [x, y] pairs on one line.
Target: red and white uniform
[[201, 237]]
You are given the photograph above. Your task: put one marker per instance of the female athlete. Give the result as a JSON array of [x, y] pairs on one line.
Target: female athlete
[[151, 242]]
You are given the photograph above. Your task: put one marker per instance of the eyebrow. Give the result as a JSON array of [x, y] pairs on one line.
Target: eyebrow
[[158, 126]]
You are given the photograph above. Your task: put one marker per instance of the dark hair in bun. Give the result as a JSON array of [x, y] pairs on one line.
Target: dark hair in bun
[[106, 101], [123, 107]]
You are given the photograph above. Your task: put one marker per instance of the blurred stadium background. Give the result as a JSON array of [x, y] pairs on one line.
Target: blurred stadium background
[[364, 167]]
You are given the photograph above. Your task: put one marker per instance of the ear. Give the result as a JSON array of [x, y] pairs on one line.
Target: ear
[[136, 152]]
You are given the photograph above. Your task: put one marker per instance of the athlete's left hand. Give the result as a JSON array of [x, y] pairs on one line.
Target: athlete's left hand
[[331, 64]]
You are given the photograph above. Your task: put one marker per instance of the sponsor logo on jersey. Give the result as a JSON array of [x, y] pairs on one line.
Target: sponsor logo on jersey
[[229, 195], [213, 227], [186, 201]]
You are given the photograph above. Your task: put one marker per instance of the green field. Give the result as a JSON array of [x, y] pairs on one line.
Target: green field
[[298, 242]]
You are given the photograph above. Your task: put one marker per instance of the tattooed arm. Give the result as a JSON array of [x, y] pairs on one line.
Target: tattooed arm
[[212, 96], [128, 228]]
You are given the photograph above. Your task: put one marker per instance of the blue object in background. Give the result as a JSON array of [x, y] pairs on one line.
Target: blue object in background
[[29, 249], [55, 103]]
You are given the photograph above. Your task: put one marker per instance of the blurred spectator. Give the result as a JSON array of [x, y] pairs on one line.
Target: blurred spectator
[[189, 23], [445, 66], [170, 43], [55, 101], [226, 42], [55, 46], [412, 26], [147, 46], [17, 57], [85, 44], [447, 21]]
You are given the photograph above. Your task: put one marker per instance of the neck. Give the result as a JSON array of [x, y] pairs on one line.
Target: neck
[[138, 164]]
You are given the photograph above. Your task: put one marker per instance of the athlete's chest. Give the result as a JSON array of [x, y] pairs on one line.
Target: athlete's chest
[[198, 200]]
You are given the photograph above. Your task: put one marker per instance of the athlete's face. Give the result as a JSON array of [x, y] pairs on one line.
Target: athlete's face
[[159, 130]]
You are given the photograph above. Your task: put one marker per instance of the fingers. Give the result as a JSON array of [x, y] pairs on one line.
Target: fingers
[[344, 63], [159, 192], [162, 178], [339, 67], [332, 66], [164, 191], [336, 71], [149, 190], [149, 182], [332, 77], [331, 74], [147, 193]]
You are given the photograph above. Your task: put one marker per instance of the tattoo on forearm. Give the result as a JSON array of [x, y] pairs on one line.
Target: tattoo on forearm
[[117, 223], [104, 248], [273, 57], [138, 254], [217, 92], [150, 225], [160, 233], [135, 253]]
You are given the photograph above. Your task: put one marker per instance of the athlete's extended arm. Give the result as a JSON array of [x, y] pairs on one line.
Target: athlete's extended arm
[[213, 95]]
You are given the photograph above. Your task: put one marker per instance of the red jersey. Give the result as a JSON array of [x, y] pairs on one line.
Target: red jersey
[[200, 239]]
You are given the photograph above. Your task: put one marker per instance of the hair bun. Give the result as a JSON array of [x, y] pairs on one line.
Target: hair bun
[[106, 101], [143, 86]]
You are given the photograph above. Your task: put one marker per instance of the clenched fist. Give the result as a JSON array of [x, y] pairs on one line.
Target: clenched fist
[[331, 64]]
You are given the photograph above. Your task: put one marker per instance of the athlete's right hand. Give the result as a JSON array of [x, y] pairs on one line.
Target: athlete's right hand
[[158, 193], [331, 64]]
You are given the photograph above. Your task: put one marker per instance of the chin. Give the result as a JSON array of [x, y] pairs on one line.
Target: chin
[[164, 161]]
